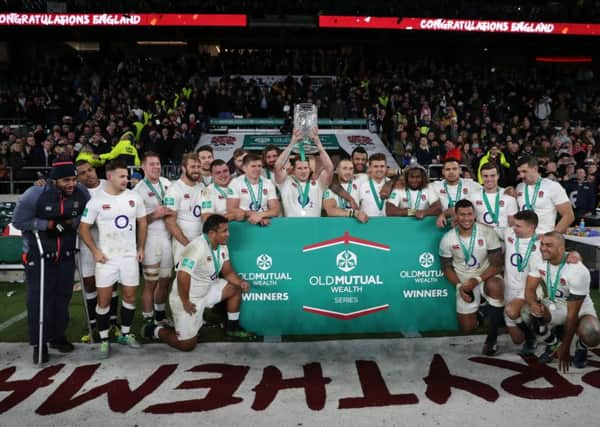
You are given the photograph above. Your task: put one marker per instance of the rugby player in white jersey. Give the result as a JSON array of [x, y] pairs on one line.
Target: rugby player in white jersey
[[270, 155], [205, 155], [335, 203], [86, 175], [471, 257], [301, 193], [158, 261], [568, 306], [253, 197], [121, 220], [214, 197], [451, 189], [543, 196], [417, 198], [359, 158], [493, 206], [205, 277], [184, 198], [371, 201], [522, 254]]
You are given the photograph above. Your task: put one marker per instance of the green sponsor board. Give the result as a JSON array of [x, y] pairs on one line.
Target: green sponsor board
[[259, 142], [334, 275]]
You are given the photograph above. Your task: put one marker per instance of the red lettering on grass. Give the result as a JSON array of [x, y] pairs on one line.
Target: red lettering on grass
[[220, 393], [532, 371], [374, 388], [272, 382], [440, 382], [120, 396], [22, 389]]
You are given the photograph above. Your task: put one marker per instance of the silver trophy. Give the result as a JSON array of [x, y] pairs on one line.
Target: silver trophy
[[305, 119]]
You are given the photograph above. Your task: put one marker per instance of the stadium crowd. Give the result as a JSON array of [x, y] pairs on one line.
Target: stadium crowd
[[423, 110]]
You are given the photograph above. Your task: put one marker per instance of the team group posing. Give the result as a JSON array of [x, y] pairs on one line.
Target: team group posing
[[504, 250]]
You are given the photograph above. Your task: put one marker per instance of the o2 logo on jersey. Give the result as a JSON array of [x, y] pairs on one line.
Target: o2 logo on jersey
[[487, 218], [122, 221], [472, 262], [516, 260], [197, 211], [254, 207]]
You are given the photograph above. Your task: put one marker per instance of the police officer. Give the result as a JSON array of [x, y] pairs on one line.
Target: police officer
[[54, 211]]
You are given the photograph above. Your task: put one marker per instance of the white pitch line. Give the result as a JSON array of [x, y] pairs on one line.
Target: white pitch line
[[12, 320]]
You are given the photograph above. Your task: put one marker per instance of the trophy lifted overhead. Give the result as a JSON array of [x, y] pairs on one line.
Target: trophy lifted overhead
[[305, 119]]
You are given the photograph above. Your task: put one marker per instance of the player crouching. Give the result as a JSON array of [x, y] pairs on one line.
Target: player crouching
[[205, 277]]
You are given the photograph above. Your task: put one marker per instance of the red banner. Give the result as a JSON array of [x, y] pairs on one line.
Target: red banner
[[460, 25], [120, 20]]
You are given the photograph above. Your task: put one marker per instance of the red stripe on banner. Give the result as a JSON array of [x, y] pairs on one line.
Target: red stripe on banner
[[346, 239], [345, 316], [460, 25], [122, 20]]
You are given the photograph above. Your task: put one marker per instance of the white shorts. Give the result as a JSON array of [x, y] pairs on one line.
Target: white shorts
[[187, 325], [124, 270], [463, 307], [88, 263], [511, 294], [158, 251], [558, 310]]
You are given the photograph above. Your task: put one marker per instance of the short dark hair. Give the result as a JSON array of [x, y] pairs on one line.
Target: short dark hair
[[81, 162], [377, 157], [464, 204], [530, 217], [112, 165], [205, 148], [490, 166], [213, 222], [450, 160], [149, 154], [217, 162], [359, 150], [251, 157], [530, 161]]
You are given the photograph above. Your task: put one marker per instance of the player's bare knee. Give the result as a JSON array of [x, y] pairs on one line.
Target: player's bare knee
[[188, 345], [494, 288], [589, 331]]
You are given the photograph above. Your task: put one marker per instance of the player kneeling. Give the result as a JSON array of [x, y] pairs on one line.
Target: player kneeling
[[568, 307], [205, 277]]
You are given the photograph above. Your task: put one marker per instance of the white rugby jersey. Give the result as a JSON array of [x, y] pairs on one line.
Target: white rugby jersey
[[486, 240], [467, 187], [101, 186], [352, 189], [203, 264], [507, 206], [186, 201], [292, 190], [242, 191], [214, 199], [420, 200], [153, 196], [115, 217], [367, 199], [574, 279], [549, 195], [514, 279]]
